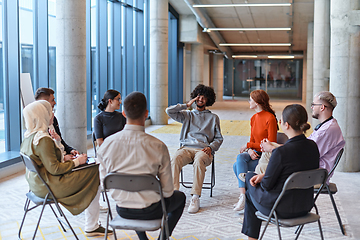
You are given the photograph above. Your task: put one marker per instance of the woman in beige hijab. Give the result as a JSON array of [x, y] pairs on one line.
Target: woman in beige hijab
[[75, 190]]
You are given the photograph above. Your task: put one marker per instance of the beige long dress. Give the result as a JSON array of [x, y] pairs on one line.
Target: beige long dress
[[74, 190]]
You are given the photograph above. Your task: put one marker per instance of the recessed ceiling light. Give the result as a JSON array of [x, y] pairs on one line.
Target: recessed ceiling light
[[245, 29], [281, 56], [255, 44], [243, 5], [244, 56]]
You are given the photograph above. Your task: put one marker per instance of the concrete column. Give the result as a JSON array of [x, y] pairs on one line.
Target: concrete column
[[218, 75], [321, 45], [159, 10], [344, 79], [197, 65], [71, 71], [309, 67]]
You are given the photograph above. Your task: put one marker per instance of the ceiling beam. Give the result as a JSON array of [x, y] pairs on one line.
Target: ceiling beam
[[205, 22]]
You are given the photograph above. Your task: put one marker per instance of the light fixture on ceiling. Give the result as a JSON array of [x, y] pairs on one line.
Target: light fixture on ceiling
[[244, 56], [243, 5], [245, 29], [255, 44], [281, 56]]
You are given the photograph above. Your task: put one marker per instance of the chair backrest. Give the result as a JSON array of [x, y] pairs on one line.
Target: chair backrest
[[281, 138], [337, 160], [29, 163], [32, 166], [132, 182], [302, 180], [305, 179], [94, 143]]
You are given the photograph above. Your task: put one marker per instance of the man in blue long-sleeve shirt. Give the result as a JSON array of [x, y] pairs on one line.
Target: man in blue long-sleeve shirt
[[200, 137]]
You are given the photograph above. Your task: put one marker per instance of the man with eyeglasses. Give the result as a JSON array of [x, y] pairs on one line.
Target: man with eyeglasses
[[327, 134], [48, 95]]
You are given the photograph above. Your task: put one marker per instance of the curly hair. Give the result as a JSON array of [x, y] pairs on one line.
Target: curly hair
[[207, 92]]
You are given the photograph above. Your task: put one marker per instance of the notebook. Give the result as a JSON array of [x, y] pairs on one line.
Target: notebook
[[91, 162]]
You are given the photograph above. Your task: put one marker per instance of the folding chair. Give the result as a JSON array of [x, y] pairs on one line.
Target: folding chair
[[281, 138], [297, 180], [94, 143], [332, 189], [38, 201], [135, 183], [210, 184]]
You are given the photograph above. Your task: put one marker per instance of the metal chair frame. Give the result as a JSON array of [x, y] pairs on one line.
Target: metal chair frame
[[210, 184], [38, 201], [332, 190], [297, 180], [135, 183]]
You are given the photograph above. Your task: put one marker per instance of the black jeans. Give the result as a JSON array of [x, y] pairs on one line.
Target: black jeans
[[174, 207]]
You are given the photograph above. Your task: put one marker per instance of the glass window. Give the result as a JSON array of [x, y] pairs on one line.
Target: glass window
[[93, 59], [52, 44], [109, 43], [280, 78], [2, 120], [26, 27]]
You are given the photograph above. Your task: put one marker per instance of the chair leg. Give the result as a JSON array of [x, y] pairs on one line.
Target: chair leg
[[26, 207], [263, 232], [298, 231], [57, 218], [67, 222], [212, 184], [336, 212], [103, 197], [41, 213]]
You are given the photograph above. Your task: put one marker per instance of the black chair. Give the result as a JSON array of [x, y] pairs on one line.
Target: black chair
[[38, 201], [332, 189], [281, 138], [135, 183], [208, 185], [94, 143], [298, 180]]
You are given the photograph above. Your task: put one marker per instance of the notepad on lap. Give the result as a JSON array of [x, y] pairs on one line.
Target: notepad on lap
[[91, 162]]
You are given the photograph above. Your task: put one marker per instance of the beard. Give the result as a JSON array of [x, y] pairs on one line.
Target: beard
[[315, 115], [200, 106]]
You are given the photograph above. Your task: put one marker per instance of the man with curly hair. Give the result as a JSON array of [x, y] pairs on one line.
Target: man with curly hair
[[200, 137]]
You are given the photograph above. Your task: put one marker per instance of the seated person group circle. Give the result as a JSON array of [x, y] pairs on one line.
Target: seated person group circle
[[261, 168]]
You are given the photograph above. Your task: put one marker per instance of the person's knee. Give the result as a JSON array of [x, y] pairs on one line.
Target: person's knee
[[180, 196]]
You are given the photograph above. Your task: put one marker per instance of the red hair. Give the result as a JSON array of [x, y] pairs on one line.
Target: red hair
[[262, 98]]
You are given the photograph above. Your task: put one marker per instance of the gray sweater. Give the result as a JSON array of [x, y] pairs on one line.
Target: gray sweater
[[200, 129]]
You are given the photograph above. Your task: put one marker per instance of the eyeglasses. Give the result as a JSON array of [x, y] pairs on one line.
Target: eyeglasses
[[118, 99], [316, 104]]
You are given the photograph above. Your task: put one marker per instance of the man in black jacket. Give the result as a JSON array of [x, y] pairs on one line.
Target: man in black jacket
[[48, 95]]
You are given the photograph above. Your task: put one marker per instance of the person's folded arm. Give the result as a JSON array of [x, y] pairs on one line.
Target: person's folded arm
[[46, 150], [176, 112]]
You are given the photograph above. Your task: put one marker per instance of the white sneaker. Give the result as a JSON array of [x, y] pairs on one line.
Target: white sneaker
[[240, 205], [194, 205]]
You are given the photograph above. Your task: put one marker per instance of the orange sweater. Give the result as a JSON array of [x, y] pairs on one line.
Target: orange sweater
[[263, 125]]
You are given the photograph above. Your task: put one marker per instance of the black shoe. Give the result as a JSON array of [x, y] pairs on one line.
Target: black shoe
[[100, 231]]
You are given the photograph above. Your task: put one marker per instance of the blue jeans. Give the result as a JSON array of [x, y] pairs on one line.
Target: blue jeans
[[243, 164]]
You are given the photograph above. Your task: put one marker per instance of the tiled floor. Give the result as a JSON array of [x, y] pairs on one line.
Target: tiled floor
[[216, 219]]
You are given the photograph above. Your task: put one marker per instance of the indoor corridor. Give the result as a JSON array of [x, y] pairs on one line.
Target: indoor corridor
[[216, 218]]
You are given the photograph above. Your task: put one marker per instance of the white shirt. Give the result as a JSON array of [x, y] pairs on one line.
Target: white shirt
[[133, 151]]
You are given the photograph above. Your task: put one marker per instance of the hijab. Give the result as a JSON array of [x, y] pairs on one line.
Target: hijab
[[37, 119]]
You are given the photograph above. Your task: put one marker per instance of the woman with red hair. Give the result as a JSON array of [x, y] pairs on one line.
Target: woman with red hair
[[263, 125]]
